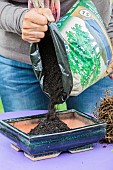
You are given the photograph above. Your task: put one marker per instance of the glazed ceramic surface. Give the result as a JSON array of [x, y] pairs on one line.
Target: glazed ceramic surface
[[84, 130]]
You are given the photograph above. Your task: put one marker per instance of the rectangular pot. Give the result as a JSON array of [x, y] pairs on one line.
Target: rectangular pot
[[85, 130]]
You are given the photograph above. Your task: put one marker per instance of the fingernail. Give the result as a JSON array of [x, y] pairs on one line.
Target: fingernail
[[51, 18], [109, 70]]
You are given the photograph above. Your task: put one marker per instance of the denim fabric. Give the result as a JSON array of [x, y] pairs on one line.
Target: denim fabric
[[86, 101], [20, 90]]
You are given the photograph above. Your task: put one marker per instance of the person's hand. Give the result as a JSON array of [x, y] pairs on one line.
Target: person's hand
[[110, 70], [110, 67], [54, 5], [35, 24]]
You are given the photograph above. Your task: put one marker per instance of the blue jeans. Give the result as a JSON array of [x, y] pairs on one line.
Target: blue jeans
[[86, 101], [20, 90]]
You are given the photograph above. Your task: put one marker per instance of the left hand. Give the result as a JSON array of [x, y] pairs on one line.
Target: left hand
[[110, 70], [110, 67]]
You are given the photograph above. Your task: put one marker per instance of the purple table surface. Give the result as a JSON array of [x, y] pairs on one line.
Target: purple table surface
[[100, 158]]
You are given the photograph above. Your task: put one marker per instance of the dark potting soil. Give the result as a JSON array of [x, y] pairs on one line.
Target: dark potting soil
[[49, 126], [52, 86]]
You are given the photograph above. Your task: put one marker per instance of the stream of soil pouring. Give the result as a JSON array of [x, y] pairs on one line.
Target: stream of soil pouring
[[105, 111], [53, 86]]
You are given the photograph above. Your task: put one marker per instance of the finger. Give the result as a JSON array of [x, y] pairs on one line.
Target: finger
[[111, 75], [110, 68], [36, 35], [32, 40], [34, 17], [35, 27], [47, 13], [40, 28]]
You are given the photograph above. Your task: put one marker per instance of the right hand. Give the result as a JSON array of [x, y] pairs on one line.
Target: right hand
[[110, 67], [35, 24]]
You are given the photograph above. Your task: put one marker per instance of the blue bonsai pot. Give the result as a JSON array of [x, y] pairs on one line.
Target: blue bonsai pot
[[84, 131]]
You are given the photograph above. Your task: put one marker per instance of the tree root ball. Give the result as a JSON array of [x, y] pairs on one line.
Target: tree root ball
[[105, 114]]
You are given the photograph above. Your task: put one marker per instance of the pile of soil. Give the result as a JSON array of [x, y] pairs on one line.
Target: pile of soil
[[52, 86], [105, 114], [49, 126]]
